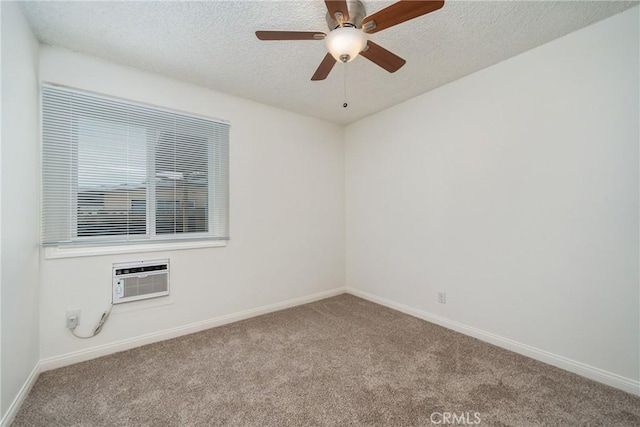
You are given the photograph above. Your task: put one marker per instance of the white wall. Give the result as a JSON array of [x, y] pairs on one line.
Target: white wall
[[20, 204], [515, 190], [286, 216]]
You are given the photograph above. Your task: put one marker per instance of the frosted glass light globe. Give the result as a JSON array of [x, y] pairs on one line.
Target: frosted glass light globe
[[345, 43]]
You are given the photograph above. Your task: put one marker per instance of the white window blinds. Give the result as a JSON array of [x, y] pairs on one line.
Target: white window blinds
[[114, 171]]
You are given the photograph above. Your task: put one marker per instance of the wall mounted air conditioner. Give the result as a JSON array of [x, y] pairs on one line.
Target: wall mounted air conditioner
[[134, 281]]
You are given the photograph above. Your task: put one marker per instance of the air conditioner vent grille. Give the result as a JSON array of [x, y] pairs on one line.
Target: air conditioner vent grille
[[140, 280], [141, 269]]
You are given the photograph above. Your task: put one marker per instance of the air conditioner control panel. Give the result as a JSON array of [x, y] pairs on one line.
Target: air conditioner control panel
[[119, 288]]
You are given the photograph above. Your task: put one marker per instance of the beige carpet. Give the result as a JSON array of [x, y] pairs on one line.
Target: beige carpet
[[337, 362]]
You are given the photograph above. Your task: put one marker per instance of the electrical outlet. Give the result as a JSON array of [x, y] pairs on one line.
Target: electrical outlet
[[442, 297], [73, 318]]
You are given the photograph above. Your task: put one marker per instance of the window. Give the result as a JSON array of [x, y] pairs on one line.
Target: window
[[114, 171]]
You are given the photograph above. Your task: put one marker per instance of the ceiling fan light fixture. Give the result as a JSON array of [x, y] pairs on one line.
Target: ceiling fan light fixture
[[349, 28], [345, 43]]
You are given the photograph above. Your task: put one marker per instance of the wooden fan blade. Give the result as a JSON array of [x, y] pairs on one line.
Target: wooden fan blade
[[338, 6], [325, 68], [290, 35], [382, 57], [398, 13]]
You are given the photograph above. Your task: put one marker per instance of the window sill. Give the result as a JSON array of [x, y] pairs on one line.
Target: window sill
[[56, 252]]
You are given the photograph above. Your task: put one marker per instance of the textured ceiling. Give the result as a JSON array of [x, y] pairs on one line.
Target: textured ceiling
[[213, 44]]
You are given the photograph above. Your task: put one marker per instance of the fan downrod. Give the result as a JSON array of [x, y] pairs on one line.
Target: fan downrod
[[356, 15]]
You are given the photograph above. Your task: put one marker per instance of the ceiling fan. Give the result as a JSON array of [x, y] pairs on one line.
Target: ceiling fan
[[348, 29]]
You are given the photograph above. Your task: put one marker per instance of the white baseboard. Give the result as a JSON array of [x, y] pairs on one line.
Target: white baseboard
[[22, 395], [609, 378], [126, 344]]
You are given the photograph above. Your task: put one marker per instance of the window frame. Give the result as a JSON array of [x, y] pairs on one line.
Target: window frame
[[150, 240]]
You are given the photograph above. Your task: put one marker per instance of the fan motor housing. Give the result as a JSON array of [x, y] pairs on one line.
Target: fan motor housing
[[356, 15]]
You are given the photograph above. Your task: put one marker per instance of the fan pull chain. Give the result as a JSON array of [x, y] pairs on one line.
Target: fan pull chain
[[344, 105]]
